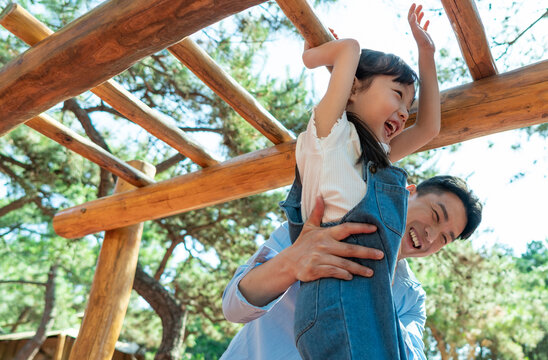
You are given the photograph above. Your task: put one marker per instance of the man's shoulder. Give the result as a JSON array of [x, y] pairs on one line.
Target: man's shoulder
[[406, 278]]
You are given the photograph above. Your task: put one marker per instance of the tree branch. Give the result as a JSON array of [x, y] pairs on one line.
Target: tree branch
[[23, 282], [107, 179], [168, 309], [17, 204], [166, 164], [32, 346]]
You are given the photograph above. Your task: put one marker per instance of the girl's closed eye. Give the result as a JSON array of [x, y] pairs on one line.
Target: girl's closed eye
[[400, 93]]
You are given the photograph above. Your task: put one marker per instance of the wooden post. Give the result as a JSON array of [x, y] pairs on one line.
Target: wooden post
[[59, 347], [111, 288]]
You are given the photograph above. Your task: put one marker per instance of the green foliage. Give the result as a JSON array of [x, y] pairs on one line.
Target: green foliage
[[482, 302], [485, 302]]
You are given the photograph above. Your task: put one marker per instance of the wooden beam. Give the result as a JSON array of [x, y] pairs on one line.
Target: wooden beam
[[111, 287], [56, 131], [466, 22], [502, 102], [97, 46], [205, 68], [239, 177], [306, 21], [29, 29], [150, 120], [508, 101]]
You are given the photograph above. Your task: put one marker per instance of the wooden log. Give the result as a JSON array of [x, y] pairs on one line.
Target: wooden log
[[205, 68], [150, 120], [56, 131], [305, 20], [59, 347], [242, 176], [498, 103], [22, 24], [466, 22], [97, 46], [29, 29], [111, 287]]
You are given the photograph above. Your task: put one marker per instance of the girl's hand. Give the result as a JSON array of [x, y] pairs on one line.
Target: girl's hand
[[307, 45], [423, 39]]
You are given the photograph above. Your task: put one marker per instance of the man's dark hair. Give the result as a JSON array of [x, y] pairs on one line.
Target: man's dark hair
[[457, 186]]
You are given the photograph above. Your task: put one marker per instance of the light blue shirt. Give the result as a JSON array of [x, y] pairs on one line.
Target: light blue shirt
[[268, 331]]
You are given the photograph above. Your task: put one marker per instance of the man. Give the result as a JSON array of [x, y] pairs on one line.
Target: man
[[262, 293]]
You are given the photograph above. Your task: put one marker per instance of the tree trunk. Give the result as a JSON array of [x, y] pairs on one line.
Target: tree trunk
[[31, 347], [440, 343], [168, 309]]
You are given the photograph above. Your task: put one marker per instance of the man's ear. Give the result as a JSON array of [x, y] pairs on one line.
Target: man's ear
[[412, 188]]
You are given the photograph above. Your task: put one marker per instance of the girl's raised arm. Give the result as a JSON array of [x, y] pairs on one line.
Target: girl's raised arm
[[427, 125], [342, 56]]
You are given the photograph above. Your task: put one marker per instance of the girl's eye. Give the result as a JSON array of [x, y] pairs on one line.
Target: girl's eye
[[399, 93]]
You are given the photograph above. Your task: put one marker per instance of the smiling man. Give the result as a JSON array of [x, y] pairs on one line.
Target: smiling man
[[262, 292]]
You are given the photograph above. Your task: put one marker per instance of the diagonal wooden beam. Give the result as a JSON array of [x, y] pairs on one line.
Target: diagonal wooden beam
[[97, 46], [205, 68], [56, 131], [29, 29], [466, 22], [498, 103], [305, 20]]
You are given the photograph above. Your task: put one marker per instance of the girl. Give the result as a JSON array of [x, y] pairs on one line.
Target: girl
[[345, 156]]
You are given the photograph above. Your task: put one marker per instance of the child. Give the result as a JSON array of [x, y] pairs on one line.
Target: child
[[345, 156]]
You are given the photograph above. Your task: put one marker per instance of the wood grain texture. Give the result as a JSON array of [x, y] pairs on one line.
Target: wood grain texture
[[111, 287], [207, 70], [97, 46], [498, 103], [29, 29], [305, 20], [151, 120], [466, 22], [56, 131], [242, 176]]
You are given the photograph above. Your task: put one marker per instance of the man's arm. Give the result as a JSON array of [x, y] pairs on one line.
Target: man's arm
[[317, 253], [409, 299]]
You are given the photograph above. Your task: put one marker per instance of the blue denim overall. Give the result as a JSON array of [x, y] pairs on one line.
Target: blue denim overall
[[356, 319]]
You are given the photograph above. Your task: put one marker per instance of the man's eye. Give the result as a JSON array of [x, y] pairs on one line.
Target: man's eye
[[437, 216]]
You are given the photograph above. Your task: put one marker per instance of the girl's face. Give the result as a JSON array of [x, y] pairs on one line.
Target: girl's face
[[383, 106]]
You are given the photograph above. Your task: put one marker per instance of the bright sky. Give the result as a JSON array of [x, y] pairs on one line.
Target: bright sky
[[515, 208]]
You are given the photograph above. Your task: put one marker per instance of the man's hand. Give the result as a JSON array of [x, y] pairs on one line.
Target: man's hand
[[423, 39], [318, 252]]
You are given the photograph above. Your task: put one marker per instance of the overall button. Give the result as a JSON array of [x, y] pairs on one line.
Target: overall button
[[373, 169]]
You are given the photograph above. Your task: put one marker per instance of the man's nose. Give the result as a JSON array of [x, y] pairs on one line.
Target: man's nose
[[432, 233]]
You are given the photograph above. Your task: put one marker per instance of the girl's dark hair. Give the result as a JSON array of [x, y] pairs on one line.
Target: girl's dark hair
[[371, 64]]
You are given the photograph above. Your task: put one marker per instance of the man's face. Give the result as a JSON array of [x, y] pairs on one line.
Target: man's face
[[433, 221]]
